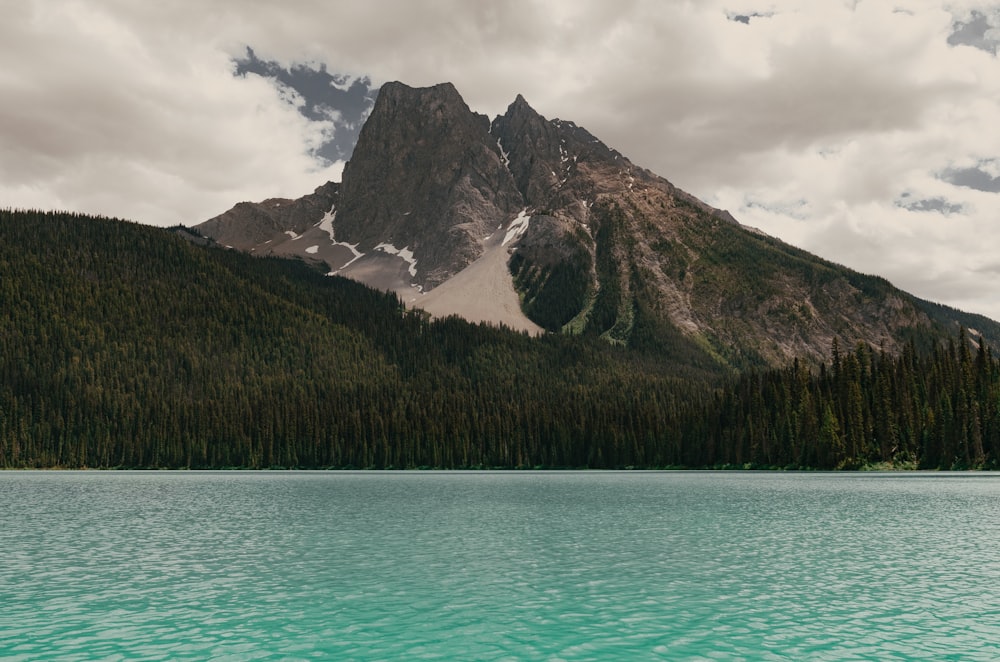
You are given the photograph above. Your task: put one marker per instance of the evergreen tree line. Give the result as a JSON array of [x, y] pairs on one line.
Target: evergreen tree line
[[124, 346], [936, 410]]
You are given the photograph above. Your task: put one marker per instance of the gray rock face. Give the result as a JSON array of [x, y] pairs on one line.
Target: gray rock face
[[426, 176], [550, 160], [251, 225]]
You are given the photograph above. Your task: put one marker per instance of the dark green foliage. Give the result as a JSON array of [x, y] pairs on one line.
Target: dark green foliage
[[937, 410], [127, 346], [553, 293], [951, 318], [605, 316]]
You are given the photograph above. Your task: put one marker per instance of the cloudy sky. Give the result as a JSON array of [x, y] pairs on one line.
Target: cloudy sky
[[866, 131]]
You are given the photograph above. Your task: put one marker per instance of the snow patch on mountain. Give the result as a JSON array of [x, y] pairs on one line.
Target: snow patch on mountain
[[517, 227], [504, 156], [354, 251], [326, 223], [405, 253]]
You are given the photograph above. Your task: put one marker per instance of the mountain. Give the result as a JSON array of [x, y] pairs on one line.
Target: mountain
[[538, 225]]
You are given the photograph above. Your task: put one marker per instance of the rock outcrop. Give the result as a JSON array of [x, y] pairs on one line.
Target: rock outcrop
[[425, 176], [251, 226]]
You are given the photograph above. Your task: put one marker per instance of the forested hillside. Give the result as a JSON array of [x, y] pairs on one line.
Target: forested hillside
[[123, 345], [939, 409]]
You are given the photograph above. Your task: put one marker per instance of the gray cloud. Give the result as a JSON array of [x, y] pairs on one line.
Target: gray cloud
[[974, 178], [931, 204], [343, 100], [979, 31], [746, 18]]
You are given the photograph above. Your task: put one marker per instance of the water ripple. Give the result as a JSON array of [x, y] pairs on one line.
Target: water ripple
[[498, 566]]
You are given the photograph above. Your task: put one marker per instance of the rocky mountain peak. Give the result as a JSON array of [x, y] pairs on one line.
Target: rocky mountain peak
[[424, 107], [556, 164], [530, 145], [425, 176]]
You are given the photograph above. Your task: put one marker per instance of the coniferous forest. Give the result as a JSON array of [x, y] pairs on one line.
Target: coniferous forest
[[128, 346]]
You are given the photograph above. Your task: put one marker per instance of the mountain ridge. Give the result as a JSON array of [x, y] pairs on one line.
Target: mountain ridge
[[600, 246]]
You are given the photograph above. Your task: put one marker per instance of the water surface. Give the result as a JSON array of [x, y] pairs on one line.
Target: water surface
[[507, 565]]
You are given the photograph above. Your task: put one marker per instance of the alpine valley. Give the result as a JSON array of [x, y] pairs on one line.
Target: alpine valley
[[474, 293]]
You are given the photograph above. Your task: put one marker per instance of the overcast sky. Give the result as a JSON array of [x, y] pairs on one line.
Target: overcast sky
[[866, 131]]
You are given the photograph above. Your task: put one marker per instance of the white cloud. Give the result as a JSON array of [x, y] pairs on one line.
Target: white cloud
[[100, 117], [812, 120]]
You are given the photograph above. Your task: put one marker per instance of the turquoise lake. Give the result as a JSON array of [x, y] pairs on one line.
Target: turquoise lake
[[499, 566]]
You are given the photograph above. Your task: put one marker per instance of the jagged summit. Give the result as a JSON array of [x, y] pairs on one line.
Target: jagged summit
[[425, 176], [555, 164], [537, 224]]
